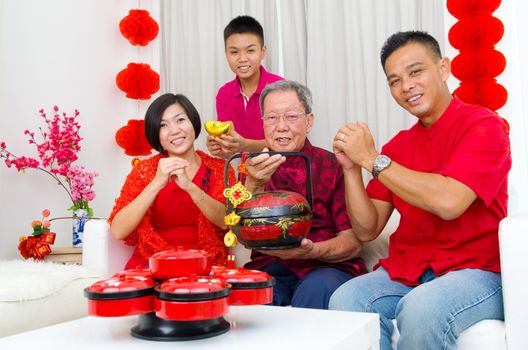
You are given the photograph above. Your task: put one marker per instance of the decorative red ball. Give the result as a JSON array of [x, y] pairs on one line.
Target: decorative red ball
[[487, 93], [468, 8], [138, 27], [475, 32], [138, 80], [131, 138], [478, 64]]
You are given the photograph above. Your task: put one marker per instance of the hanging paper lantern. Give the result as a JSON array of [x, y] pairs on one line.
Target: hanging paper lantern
[[138, 27], [468, 8], [478, 64], [131, 138], [474, 32], [138, 80], [486, 93]]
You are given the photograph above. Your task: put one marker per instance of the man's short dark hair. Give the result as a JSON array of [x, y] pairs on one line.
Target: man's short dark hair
[[244, 25], [155, 113], [397, 40]]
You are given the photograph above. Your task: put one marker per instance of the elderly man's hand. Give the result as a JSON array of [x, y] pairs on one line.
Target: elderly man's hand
[[307, 250], [261, 168]]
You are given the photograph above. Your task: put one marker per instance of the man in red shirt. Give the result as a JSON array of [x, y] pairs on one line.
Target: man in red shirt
[[447, 177]]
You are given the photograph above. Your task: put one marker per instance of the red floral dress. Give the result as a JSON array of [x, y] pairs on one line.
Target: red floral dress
[[173, 219]]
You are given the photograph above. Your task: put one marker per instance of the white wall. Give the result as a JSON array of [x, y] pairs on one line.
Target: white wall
[[65, 53]]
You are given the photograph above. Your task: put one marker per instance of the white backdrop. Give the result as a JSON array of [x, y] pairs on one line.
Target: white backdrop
[[68, 52]]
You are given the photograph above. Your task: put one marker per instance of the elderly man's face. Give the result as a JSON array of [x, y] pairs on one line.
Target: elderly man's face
[[285, 133]]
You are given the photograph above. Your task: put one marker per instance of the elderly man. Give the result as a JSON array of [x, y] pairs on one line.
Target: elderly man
[[308, 275]]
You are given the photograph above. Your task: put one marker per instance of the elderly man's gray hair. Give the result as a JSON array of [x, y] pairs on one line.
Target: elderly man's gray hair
[[303, 93]]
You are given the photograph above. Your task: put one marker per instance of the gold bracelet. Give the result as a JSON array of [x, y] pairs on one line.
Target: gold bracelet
[[201, 198]]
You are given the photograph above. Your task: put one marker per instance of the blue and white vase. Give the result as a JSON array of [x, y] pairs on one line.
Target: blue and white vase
[[80, 216]]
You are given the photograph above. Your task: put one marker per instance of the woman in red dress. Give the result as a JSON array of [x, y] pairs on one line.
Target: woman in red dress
[[175, 197]]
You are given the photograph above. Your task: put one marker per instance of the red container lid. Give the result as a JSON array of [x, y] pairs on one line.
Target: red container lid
[[242, 278], [122, 287], [179, 262], [134, 272], [192, 288]]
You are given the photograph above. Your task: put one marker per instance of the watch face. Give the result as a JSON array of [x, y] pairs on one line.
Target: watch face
[[382, 161]]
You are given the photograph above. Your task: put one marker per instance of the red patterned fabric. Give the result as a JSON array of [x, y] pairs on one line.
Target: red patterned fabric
[[210, 237]]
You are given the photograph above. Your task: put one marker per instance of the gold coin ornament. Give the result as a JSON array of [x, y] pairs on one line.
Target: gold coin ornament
[[230, 239], [217, 128]]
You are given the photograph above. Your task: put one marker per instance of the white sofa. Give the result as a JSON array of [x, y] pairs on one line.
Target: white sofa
[[105, 255]]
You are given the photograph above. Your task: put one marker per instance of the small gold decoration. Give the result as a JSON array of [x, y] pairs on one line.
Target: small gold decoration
[[232, 219], [230, 239]]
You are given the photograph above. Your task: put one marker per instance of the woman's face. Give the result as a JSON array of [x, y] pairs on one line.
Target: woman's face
[[176, 131]]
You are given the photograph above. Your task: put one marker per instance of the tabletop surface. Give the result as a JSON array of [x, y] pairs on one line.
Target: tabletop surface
[[252, 327]]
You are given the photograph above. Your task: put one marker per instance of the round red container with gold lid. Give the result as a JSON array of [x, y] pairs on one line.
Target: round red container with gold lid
[[179, 262], [192, 298], [248, 287], [121, 296]]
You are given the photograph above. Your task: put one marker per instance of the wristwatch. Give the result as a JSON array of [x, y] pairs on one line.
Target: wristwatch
[[381, 163]]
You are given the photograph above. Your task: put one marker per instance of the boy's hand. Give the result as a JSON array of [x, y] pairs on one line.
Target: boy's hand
[[226, 145]]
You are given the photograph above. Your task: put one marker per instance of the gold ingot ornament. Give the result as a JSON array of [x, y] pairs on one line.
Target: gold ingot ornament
[[232, 219], [217, 128]]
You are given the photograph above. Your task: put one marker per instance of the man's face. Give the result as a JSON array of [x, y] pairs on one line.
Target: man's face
[[284, 135], [244, 53], [417, 79]]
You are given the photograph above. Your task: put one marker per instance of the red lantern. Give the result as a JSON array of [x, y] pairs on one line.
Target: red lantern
[[478, 64], [132, 138], [138, 80], [468, 8], [475, 32], [487, 93], [138, 27]]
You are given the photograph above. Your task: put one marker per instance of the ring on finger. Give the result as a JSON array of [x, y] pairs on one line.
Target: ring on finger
[[342, 137]]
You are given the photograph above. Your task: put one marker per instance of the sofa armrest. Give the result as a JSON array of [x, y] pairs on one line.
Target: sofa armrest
[[102, 253], [513, 240]]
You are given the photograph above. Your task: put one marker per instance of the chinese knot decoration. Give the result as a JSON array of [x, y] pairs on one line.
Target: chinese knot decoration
[[478, 63], [137, 80], [236, 194]]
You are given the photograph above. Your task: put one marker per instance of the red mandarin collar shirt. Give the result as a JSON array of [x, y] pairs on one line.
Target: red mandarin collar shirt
[[469, 144]]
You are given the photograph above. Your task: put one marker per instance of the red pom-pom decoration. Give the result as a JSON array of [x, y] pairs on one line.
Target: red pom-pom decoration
[[138, 27], [487, 93], [138, 80], [131, 138], [474, 32], [467, 8], [478, 64]]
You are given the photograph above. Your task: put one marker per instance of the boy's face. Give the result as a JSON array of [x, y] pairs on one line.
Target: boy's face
[[244, 54]]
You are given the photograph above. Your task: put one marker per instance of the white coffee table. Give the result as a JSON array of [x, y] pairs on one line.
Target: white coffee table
[[252, 327]]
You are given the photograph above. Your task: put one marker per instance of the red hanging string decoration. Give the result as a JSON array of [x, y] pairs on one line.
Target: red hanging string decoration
[[475, 35], [138, 27], [131, 138], [137, 80]]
